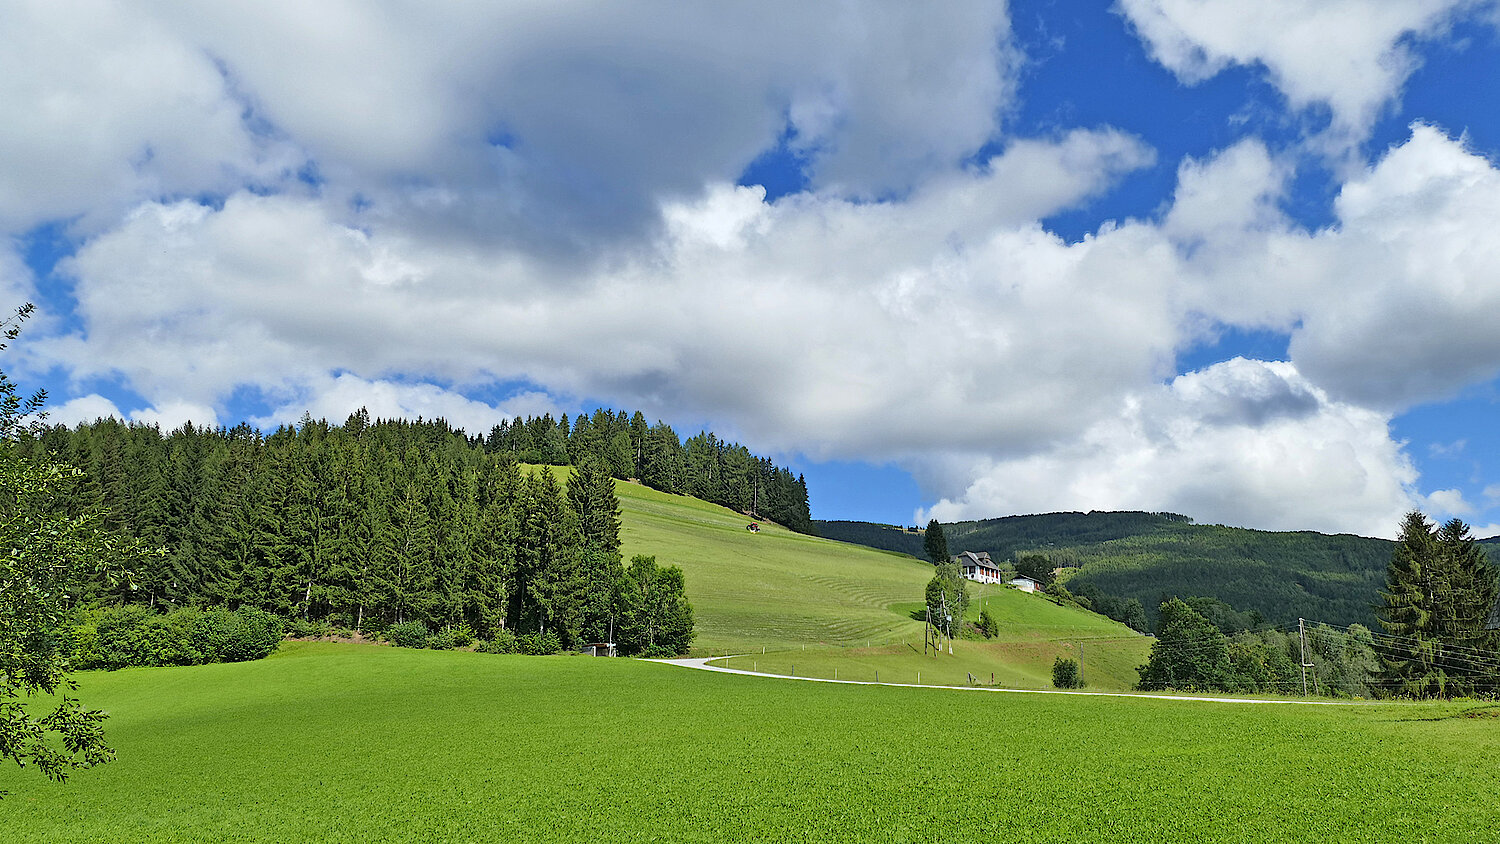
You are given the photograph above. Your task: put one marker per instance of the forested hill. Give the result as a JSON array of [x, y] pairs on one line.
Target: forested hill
[[1153, 556], [702, 466], [1003, 537], [372, 523], [122, 461]]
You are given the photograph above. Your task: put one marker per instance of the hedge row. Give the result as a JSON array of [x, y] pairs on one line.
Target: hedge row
[[138, 636]]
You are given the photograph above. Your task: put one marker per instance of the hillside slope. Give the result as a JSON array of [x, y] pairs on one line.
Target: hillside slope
[[1152, 556], [834, 602]]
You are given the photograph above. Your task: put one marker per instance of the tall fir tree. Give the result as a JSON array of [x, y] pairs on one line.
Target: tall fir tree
[[1408, 608], [1471, 586], [1439, 592], [591, 494], [935, 543]]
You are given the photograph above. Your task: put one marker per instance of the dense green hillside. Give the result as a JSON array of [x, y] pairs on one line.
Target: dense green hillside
[[348, 743], [1151, 556]]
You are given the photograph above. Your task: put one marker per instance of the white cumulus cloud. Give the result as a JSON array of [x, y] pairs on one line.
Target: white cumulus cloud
[[1242, 442], [1349, 56]]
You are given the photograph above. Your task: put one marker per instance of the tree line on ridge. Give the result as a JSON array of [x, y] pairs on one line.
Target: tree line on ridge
[[372, 523]]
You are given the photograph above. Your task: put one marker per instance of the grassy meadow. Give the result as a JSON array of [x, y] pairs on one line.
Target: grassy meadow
[[820, 606], [337, 743]]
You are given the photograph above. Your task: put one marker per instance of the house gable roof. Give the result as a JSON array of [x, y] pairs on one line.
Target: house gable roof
[[971, 558]]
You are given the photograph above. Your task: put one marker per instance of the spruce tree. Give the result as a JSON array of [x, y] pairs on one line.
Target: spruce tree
[[935, 543], [1471, 592], [1407, 611], [591, 495], [495, 546], [1439, 592], [549, 574]]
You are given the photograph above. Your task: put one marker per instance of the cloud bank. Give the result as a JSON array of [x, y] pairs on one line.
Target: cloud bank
[[351, 205]]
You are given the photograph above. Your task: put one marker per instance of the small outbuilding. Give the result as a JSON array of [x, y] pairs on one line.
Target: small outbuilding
[[602, 649], [1024, 583]]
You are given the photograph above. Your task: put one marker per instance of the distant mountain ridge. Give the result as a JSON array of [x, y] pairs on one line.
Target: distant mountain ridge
[[1153, 556]]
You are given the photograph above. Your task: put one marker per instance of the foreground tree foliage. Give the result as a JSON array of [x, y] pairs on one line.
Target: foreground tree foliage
[[47, 550]]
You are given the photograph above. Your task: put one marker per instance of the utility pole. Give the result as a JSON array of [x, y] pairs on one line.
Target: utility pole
[[947, 617], [1302, 635]]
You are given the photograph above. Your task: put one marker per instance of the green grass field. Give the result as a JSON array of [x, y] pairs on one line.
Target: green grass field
[[1108, 664], [335, 743], [822, 604]]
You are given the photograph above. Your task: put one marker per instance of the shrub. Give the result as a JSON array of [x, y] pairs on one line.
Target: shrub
[[81, 644], [539, 644], [505, 642], [301, 628], [463, 634], [135, 635], [408, 634], [443, 640], [656, 652], [245, 634], [1065, 674], [988, 625]]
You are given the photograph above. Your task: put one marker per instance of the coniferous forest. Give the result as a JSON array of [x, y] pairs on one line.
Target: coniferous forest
[[370, 524]]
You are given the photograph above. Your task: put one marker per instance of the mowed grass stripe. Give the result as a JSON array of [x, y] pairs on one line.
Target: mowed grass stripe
[[351, 743]]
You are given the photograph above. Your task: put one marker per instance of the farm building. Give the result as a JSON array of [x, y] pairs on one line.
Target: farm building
[[1024, 583], [978, 567], [601, 649]]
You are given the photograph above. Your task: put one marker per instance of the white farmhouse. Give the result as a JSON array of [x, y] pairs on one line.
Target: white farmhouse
[[977, 567]]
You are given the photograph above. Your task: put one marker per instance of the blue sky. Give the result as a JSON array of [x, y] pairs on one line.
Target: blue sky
[[1229, 260]]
